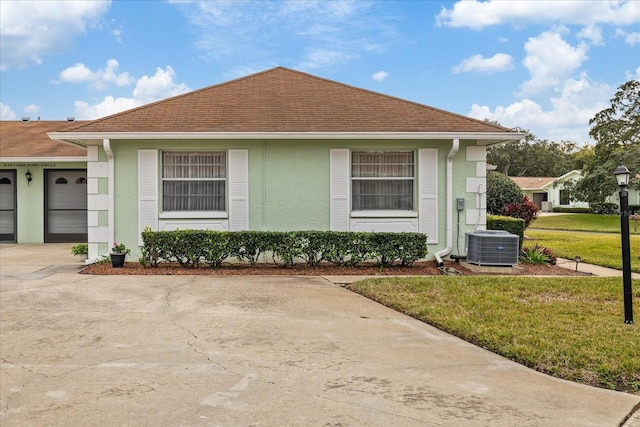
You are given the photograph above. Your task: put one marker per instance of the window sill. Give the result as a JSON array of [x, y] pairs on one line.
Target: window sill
[[193, 214], [384, 214]]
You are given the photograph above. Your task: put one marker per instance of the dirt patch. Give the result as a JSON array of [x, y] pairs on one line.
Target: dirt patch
[[427, 268]]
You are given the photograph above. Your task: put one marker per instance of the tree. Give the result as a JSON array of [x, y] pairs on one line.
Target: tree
[[501, 191], [617, 133], [532, 157]]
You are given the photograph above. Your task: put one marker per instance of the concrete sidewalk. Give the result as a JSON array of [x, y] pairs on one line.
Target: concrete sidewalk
[[596, 270], [260, 350]]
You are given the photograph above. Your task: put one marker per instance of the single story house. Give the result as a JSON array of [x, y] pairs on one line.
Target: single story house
[[43, 184], [284, 150], [548, 192]]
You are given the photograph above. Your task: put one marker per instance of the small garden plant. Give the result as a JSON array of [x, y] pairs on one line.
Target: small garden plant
[[538, 255], [120, 248], [80, 249]]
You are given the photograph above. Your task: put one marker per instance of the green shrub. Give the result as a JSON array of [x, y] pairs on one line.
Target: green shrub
[[190, 247], [80, 249], [562, 209], [512, 225], [604, 208], [501, 191]]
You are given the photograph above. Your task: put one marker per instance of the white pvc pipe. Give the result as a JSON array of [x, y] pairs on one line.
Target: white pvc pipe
[[455, 146]]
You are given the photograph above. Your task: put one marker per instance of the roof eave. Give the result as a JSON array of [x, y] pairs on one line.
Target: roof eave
[[94, 138], [43, 159]]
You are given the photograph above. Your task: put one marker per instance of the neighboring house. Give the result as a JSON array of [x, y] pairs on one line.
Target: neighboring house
[[549, 192], [284, 150], [43, 184]]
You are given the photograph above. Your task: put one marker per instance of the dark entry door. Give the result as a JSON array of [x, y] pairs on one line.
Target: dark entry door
[[8, 203], [66, 205]]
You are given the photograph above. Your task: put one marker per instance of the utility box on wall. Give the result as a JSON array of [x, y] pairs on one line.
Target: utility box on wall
[[492, 247]]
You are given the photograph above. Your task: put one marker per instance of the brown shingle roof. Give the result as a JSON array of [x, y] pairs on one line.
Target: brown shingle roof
[[284, 100], [30, 139], [532, 183]]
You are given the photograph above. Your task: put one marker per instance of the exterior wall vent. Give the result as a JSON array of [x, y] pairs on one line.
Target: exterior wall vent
[[492, 247]]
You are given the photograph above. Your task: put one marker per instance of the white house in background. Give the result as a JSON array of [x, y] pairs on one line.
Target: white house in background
[[547, 192]]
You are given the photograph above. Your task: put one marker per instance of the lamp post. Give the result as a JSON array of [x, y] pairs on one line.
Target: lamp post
[[622, 176]]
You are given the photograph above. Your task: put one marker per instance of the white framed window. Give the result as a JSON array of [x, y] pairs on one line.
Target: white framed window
[[382, 180], [194, 181]]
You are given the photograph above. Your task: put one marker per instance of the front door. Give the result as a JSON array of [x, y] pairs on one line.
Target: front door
[[65, 205], [538, 198], [8, 206]]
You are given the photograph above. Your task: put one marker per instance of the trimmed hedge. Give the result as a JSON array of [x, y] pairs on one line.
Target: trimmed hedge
[[191, 248], [604, 208], [507, 223], [571, 209]]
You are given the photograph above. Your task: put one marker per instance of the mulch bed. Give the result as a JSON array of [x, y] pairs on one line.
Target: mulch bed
[[427, 268]]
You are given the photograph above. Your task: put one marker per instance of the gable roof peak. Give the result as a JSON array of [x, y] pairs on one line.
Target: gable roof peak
[[286, 100]]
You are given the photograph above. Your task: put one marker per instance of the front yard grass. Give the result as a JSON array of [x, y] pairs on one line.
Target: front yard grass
[[583, 222], [594, 248], [571, 328]]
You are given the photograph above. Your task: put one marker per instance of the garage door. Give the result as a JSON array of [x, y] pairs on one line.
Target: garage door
[[7, 206], [66, 206]]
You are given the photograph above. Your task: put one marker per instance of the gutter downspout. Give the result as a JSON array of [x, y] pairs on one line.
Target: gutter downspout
[[455, 146], [106, 144]]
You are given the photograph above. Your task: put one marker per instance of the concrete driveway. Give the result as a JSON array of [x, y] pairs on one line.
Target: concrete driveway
[[249, 351]]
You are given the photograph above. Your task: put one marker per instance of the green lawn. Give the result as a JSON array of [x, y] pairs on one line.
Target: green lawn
[[584, 222], [594, 248], [571, 328], [595, 238]]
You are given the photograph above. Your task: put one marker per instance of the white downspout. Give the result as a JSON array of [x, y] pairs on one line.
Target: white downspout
[[111, 229], [455, 146]]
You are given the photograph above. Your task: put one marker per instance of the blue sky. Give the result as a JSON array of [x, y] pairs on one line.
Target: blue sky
[[547, 66]]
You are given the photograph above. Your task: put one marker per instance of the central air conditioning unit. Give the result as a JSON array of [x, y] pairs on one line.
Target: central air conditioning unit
[[492, 247]]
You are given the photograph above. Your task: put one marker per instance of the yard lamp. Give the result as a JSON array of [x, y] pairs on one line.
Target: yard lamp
[[622, 176]]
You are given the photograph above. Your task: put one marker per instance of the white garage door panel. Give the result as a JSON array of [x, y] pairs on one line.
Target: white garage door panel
[[67, 190], [67, 222], [7, 222]]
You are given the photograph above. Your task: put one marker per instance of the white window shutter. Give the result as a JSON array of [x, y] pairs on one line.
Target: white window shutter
[[147, 191], [339, 189], [238, 190], [428, 193]]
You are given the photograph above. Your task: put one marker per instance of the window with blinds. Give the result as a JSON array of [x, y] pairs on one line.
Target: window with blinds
[[382, 180], [194, 181]]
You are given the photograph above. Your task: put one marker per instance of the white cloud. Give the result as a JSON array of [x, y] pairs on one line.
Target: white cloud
[[6, 113], [578, 100], [593, 33], [148, 89], [380, 76], [318, 58], [30, 30], [32, 109], [498, 62], [158, 86], [629, 38], [479, 14], [631, 75], [549, 60], [316, 33], [99, 79], [108, 106]]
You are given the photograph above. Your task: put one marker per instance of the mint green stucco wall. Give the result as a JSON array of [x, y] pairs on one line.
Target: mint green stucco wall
[[289, 181], [30, 197]]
